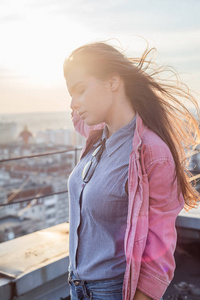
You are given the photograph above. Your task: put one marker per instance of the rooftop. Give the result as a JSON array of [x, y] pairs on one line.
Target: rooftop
[[35, 266]]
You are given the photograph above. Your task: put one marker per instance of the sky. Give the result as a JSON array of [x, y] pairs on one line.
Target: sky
[[37, 35]]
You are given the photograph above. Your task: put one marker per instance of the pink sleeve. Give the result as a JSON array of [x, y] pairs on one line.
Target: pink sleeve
[[81, 127], [158, 264]]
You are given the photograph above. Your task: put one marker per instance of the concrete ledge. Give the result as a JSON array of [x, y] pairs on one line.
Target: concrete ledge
[[188, 226], [41, 276], [35, 266], [6, 288], [54, 289]]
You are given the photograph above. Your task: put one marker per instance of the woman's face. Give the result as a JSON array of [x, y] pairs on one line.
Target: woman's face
[[91, 97]]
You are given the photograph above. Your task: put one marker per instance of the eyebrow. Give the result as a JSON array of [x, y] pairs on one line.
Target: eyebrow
[[74, 87]]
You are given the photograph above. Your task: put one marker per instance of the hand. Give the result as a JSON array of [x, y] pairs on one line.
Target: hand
[[141, 296]]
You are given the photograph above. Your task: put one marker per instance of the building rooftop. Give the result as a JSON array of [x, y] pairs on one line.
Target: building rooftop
[[8, 221]]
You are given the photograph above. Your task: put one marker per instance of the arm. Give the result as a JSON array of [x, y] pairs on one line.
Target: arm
[[81, 127], [157, 266]]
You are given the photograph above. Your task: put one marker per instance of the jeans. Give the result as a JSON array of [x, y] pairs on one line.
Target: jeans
[[110, 289]]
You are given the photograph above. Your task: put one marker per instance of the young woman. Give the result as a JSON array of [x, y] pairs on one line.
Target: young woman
[[131, 181]]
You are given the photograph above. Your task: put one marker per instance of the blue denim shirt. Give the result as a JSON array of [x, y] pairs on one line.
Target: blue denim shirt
[[97, 228]]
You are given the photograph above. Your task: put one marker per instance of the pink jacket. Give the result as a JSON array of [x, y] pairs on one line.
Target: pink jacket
[[154, 204]]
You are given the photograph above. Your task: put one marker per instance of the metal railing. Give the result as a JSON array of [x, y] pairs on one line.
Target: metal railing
[[73, 150], [76, 149]]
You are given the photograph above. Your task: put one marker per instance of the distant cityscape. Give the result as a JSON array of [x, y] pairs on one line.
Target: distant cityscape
[[34, 190], [34, 169]]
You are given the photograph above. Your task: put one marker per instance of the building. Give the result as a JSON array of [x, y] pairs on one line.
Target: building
[[8, 132], [12, 226]]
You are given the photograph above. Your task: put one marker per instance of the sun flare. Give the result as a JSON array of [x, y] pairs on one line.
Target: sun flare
[[36, 48]]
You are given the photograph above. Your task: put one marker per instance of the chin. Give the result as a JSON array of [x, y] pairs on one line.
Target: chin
[[91, 122]]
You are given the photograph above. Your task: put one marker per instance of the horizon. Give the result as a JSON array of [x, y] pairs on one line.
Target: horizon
[[38, 35]]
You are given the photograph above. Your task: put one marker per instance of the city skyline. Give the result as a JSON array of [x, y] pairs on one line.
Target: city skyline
[[36, 36]]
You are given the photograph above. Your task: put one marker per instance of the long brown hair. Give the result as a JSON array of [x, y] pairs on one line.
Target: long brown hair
[[159, 101]]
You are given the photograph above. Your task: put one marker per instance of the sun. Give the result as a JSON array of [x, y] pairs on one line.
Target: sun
[[35, 47]]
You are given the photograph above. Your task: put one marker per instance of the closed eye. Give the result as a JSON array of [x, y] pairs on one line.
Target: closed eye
[[77, 92]]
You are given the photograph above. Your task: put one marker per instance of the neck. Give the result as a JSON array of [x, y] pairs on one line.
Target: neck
[[122, 115], [121, 111]]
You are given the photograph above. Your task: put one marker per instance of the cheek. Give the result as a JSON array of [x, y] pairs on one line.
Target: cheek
[[97, 99], [102, 99], [99, 105]]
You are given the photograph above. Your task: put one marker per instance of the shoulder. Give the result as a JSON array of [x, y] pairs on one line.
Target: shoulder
[[154, 149]]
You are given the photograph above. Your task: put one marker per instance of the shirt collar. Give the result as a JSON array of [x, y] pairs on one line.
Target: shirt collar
[[118, 138]]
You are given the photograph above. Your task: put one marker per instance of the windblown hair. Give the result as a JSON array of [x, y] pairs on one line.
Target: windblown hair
[[159, 101]]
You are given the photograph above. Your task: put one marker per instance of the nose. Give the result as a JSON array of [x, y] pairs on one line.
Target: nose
[[74, 104]]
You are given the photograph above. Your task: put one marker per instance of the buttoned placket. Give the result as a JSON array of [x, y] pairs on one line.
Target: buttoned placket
[[80, 205]]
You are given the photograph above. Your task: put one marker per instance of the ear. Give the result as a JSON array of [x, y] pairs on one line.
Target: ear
[[114, 81]]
